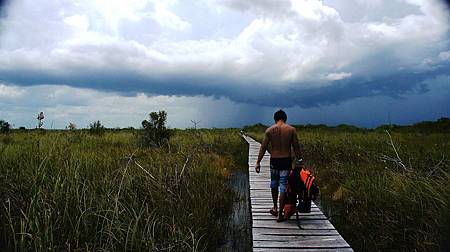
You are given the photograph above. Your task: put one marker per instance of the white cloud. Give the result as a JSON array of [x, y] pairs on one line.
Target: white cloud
[[264, 7], [444, 56], [9, 92], [167, 18], [79, 22], [338, 76], [434, 62]]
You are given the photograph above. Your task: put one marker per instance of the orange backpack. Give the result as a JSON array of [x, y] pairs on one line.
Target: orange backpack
[[300, 188]]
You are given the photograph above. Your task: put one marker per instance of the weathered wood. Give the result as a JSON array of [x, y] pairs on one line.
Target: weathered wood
[[303, 217], [299, 243], [305, 249], [292, 223], [293, 232], [317, 233], [310, 241]]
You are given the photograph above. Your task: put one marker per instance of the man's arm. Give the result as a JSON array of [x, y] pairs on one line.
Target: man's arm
[[263, 148], [296, 145]]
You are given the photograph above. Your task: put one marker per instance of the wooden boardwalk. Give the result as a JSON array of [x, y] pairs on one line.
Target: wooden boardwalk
[[318, 234]]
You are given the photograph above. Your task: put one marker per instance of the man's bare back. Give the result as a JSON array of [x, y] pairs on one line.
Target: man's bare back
[[281, 137]]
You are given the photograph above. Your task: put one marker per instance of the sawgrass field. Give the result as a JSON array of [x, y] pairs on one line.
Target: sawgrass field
[[383, 189], [72, 190]]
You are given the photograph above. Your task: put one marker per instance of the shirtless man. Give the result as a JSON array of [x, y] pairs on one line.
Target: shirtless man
[[281, 137]]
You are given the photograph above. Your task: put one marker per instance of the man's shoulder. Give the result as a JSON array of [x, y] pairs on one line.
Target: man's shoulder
[[290, 128], [270, 128]]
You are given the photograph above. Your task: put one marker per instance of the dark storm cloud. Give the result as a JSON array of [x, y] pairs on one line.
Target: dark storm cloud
[[3, 5], [447, 2], [127, 83]]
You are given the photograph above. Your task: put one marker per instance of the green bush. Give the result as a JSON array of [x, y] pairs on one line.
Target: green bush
[[96, 128], [154, 132], [5, 127]]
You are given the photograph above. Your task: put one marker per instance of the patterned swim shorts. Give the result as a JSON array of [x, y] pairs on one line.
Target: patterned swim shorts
[[278, 179]]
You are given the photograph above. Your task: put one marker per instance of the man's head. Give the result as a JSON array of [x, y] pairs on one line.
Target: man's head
[[280, 115]]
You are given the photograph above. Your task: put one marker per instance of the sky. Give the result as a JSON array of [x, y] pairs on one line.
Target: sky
[[224, 63]]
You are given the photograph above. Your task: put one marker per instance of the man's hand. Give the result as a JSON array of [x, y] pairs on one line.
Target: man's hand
[[257, 167]]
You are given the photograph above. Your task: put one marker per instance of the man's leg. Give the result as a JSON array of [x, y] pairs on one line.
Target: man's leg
[[274, 183], [275, 198], [282, 198], [283, 179]]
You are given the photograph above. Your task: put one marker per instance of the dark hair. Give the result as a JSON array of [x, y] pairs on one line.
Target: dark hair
[[280, 115]]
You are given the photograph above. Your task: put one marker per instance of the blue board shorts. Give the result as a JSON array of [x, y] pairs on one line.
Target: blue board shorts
[[279, 171]]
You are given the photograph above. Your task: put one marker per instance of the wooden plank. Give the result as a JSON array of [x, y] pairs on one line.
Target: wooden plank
[[266, 213], [267, 207], [304, 249], [293, 232], [299, 243], [317, 233], [302, 217], [314, 241], [305, 224]]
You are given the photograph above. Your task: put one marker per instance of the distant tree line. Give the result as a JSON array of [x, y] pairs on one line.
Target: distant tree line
[[441, 125]]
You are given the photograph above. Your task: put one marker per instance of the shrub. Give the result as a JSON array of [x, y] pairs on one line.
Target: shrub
[[97, 128], [155, 133], [73, 126], [5, 127]]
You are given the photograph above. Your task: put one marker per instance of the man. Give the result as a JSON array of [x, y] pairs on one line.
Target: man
[[281, 137]]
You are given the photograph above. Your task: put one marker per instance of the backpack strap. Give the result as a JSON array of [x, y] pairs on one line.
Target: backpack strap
[[308, 183]]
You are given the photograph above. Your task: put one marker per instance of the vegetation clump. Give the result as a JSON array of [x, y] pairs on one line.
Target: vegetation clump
[[72, 126], [154, 131], [5, 127], [96, 128]]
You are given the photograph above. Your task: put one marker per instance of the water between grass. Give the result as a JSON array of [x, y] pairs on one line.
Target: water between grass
[[238, 235]]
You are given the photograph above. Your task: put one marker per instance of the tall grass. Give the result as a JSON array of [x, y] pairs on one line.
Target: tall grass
[[76, 191], [379, 201]]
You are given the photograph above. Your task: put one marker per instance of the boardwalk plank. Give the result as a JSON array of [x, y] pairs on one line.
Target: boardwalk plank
[[294, 232], [299, 243], [304, 249]]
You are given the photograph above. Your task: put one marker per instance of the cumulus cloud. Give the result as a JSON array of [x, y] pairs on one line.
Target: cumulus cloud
[[303, 46]]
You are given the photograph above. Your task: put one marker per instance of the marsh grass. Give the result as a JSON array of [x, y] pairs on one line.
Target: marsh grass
[[78, 191], [375, 202]]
